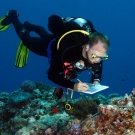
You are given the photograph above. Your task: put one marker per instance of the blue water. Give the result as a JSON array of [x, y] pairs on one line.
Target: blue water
[[114, 18]]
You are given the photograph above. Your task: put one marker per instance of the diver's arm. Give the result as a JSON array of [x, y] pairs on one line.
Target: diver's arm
[[55, 77], [96, 72], [55, 69]]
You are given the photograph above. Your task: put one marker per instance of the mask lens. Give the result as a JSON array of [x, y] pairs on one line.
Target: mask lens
[[101, 58], [93, 56]]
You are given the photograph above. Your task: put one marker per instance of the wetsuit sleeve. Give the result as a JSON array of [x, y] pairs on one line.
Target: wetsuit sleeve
[[96, 72], [55, 24], [55, 72]]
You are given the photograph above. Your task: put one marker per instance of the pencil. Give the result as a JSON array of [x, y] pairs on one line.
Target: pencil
[[79, 80]]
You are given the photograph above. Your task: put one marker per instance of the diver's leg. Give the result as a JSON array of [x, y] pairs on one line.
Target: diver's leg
[[38, 45], [35, 44], [19, 27], [36, 28]]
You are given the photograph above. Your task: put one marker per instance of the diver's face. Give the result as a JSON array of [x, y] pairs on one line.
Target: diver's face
[[96, 53]]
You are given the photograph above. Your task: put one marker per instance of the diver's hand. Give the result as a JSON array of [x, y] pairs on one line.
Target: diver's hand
[[79, 86]]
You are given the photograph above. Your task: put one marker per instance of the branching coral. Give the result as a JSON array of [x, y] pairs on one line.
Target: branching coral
[[127, 100]]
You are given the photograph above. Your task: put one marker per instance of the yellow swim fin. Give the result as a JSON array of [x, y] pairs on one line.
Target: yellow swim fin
[[4, 23], [22, 55]]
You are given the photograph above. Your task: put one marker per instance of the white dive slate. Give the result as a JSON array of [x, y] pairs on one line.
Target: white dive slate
[[94, 89]]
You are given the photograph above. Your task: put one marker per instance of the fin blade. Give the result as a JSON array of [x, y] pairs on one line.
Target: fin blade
[[21, 55], [2, 26]]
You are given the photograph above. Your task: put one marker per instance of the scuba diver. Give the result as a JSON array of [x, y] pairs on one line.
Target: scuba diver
[[74, 46]]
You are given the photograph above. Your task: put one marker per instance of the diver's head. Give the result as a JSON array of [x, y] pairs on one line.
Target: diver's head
[[96, 49]]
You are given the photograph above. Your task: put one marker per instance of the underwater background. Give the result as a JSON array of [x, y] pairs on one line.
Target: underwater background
[[115, 18]]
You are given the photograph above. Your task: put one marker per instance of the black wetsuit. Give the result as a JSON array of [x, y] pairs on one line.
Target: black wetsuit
[[66, 52]]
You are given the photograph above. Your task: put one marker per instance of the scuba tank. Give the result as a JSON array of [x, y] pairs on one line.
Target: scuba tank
[[80, 21]]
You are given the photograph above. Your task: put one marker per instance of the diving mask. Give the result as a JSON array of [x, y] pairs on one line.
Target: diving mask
[[94, 55]]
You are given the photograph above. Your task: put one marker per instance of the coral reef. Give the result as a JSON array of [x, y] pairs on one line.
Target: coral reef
[[28, 86], [83, 107], [33, 110], [17, 97], [41, 86]]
